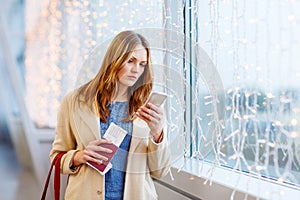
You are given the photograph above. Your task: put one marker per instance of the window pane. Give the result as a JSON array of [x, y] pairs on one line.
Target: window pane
[[254, 46]]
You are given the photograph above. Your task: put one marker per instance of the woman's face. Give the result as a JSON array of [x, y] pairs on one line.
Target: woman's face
[[134, 68]]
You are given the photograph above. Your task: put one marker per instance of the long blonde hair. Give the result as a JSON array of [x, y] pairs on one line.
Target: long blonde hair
[[101, 89]]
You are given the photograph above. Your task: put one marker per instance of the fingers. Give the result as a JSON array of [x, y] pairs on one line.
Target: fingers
[[150, 113], [153, 116], [93, 157], [154, 108], [97, 157], [98, 142], [95, 151]]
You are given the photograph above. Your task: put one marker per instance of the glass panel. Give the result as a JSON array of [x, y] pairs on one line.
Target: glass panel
[[254, 46]]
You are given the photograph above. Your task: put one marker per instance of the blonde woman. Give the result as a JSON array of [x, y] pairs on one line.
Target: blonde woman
[[117, 94]]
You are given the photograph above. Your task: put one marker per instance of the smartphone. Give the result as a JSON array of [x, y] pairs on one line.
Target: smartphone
[[157, 98]]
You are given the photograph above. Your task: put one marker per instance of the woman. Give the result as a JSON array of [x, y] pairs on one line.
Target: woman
[[116, 94]]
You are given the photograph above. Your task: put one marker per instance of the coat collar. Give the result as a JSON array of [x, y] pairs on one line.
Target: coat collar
[[90, 119]]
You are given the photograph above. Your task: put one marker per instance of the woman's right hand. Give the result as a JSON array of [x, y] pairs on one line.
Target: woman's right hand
[[91, 153]]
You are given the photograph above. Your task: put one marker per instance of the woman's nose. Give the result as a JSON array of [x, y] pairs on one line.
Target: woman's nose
[[135, 67]]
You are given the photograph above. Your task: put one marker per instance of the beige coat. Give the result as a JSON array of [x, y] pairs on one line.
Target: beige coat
[[77, 126]]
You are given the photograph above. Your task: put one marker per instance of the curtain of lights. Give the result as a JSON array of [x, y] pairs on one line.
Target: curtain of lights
[[254, 46]]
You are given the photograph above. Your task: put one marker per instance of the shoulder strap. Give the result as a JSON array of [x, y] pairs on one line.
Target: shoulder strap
[[56, 162]]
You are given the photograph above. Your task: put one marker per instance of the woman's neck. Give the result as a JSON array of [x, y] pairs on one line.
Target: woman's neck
[[120, 99], [121, 95]]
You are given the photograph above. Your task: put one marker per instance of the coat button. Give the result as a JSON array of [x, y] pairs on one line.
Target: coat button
[[99, 192]]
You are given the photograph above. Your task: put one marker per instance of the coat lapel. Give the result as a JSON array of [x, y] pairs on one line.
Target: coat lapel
[[87, 124], [140, 132]]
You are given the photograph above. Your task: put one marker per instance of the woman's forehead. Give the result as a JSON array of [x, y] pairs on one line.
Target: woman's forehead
[[139, 53]]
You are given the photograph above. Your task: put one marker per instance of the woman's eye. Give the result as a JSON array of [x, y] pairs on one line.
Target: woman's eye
[[130, 60], [143, 65]]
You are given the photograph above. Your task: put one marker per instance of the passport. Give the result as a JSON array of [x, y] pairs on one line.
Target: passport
[[115, 134]]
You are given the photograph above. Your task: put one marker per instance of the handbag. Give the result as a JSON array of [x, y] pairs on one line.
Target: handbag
[[56, 163]]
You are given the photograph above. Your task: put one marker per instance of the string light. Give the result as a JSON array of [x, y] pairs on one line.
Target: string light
[[261, 93], [60, 39]]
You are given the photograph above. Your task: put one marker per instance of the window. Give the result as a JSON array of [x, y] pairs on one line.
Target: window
[[253, 46]]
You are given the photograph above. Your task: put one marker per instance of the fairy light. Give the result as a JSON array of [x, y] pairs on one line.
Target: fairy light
[[61, 37], [262, 121]]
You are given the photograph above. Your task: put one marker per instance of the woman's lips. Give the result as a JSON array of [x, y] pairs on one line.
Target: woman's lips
[[132, 77]]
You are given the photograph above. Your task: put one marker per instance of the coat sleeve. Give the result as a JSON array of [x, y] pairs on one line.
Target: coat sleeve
[[159, 157], [64, 137]]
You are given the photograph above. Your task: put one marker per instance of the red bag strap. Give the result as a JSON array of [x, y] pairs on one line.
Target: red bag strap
[[56, 162]]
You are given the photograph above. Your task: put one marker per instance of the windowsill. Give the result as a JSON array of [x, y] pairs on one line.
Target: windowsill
[[236, 181]]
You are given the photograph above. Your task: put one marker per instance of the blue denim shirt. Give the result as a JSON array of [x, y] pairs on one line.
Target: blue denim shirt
[[115, 177]]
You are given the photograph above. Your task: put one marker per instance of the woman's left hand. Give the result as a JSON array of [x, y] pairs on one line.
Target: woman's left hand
[[154, 117]]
